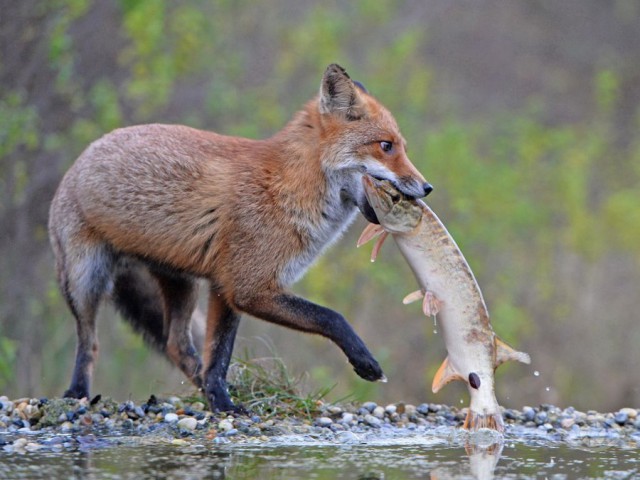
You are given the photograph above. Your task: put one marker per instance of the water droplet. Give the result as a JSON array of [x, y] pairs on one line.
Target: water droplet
[[435, 331], [536, 373]]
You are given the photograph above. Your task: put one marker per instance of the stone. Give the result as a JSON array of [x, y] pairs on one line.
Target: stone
[[372, 421], [225, 425], [567, 423], [370, 406], [334, 410], [347, 437], [621, 418], [528, 413], [323, 422], [378, 412], [188, 423], [171, 418], [630, 412], [347, 417], [409, 410]]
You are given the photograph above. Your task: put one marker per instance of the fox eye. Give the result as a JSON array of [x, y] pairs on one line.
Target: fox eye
[[386, 146]]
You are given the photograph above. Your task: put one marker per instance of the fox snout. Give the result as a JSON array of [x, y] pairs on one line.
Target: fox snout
[[408, 187], [412, 188]]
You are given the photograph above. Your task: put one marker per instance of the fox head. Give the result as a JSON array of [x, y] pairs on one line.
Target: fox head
[[362, 137]]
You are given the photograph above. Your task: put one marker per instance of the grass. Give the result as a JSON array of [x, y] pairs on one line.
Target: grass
[[266, 387]]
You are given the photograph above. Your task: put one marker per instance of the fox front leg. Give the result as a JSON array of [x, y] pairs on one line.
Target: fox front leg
[[299, 314], [222, 326]]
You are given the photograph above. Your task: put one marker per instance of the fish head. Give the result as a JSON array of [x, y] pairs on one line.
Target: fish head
[[396, 212], [484, 411]]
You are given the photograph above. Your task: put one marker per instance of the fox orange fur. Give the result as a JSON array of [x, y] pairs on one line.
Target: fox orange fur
[[147, 210]]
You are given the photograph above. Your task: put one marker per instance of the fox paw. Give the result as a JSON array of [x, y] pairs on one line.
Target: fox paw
[[370, 371]]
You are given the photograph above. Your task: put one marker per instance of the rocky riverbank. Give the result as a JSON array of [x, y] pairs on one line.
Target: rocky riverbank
[[31, 424]]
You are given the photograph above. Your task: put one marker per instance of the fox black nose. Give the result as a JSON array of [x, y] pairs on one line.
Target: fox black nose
[[427, 188]]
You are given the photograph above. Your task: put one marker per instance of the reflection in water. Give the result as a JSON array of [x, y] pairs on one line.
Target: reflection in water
[[407, 457], [483, 460], [484, 449]]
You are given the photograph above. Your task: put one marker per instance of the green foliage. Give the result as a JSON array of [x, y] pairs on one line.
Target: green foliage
[[265, 386], [18, 130], [519, 193], [8, 350]]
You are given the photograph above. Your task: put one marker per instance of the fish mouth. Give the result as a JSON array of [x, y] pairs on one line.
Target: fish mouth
[[379, 197], [367, 210], [475, 421]]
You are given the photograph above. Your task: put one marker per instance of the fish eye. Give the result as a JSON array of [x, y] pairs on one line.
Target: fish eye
[[474, 380], [386, 146]]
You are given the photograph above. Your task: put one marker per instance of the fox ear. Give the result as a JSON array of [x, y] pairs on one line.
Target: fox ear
[[338, 94]]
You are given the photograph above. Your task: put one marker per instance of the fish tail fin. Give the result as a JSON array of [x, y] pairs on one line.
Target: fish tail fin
[[505, 353]]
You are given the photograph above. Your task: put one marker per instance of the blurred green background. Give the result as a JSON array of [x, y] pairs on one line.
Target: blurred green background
[[523, 115]]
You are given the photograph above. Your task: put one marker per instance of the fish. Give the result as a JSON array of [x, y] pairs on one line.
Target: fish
[[449, 290]]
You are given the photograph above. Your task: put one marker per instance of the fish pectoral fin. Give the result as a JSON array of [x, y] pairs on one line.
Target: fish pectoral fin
[[378, 245], [413, 297], [370, 232], [505, 353], [431, 304], [445, 374]]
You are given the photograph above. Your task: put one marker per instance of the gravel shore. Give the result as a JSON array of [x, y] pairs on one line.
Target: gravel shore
[[32, 424]]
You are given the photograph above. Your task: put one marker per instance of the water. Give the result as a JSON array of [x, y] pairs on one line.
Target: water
[[391, 457]]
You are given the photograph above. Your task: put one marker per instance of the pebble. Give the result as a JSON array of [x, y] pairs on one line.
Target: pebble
[[621, 418], [372, 421], [423, 409], [188, 423], [171, 418], [323, 422], [370, 406], [347, 417], [409, 410], [334, 409], [378, 412], [25, 420], [630, 412], [225, 425], [528, 413], [347, 437], [567, 423]]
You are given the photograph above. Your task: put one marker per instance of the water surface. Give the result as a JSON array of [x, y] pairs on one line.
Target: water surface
[[392, 457]]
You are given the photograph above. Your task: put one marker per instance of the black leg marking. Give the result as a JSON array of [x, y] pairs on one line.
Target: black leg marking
[[300, 314], [222, 327]]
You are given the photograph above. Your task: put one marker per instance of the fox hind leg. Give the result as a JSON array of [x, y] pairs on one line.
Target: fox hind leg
[[179, 298], [83, 285]]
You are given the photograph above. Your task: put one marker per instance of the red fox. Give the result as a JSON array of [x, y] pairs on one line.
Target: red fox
[[147, 210]]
